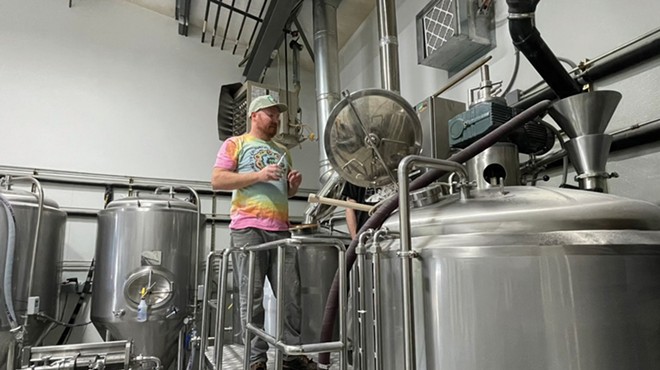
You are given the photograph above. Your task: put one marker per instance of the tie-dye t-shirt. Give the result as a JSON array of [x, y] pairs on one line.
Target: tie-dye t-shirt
[[262, 205]]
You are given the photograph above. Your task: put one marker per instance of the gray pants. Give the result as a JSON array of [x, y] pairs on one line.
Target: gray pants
[[266, 266]]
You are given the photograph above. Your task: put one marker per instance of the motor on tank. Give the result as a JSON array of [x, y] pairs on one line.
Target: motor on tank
[[147, 264]]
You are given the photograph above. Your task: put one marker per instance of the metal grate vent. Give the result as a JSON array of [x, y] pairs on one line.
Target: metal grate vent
[[453, 33], [438, 27]]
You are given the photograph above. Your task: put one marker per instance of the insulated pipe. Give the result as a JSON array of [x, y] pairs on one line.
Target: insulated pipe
[[528, 40], [327, 73], [391, 204], [389, 45]]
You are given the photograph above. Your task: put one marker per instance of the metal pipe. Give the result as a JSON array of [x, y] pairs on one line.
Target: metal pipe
[[240, 29], [390, 204], [610, 63], [294, 350], [37, 231], [247, 340], [389, 45], [222, 302], [89, 178], [180, 356], [204, 331], [527, 39], [360, 251], [279, 323], [378, 315], [327, 73], [458, 77], [406, 242], [621, 61], [142, 359]]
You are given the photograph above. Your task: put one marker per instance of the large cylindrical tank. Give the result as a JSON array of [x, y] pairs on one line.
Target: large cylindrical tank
[[318, 266], [528, 278], [145, 249], [46, 278]]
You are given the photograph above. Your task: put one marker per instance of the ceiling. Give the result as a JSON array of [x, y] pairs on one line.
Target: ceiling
[[234, 26]]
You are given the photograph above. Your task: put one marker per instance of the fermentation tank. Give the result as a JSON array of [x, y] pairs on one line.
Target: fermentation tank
[[39, 239], [145, 253], [528, 277]]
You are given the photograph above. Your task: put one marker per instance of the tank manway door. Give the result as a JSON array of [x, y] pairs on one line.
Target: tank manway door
[[151, 285], [367, 135]]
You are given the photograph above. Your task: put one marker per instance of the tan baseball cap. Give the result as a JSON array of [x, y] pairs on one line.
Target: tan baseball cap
[[266, 101]]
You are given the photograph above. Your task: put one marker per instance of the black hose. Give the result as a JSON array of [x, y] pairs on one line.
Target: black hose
[[616, 63], [621, 61], [528, 40], [391, 204]]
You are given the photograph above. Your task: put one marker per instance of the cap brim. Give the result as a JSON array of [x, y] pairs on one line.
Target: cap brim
[[281, 107]]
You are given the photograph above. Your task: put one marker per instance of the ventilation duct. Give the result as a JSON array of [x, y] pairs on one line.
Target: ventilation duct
[[451, 34]]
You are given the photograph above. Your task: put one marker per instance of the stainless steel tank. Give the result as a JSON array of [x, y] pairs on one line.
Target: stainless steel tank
[[146, 247], [527, 278], [38, 238], [318, 267]]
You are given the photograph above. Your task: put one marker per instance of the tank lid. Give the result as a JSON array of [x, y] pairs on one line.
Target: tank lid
[[527, 209], [149, 201], [367, 135], [17, 196]]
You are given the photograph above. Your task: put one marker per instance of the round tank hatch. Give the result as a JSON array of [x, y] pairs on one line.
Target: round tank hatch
[[367, 135], [156, 286]]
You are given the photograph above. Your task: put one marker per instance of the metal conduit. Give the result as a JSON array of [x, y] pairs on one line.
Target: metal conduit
[[389, 45], [327, 72]]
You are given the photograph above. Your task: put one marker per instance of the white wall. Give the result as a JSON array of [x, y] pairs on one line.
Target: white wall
[[573, 29]]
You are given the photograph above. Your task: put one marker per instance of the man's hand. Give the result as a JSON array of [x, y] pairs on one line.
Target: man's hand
[[294, 179], [270, 173]]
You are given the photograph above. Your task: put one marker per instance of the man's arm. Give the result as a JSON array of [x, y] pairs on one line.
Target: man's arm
[[222, 179]]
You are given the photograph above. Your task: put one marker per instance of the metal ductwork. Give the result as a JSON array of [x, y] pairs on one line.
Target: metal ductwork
[[528, 40], [327, 72], [389, 45]]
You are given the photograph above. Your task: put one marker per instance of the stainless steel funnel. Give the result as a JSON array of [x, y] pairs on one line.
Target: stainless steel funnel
[[584, 118]]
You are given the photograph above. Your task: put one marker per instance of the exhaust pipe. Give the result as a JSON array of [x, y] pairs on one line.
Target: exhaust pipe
[[327, 73], [528, 40]]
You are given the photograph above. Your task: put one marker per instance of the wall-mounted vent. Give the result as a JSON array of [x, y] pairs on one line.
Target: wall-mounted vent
[[453, 33]]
